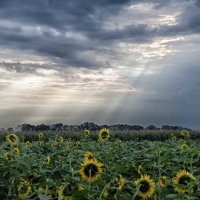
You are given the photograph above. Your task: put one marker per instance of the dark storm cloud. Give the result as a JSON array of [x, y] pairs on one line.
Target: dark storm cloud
[[19, 67], [75, 16], [82, 17]]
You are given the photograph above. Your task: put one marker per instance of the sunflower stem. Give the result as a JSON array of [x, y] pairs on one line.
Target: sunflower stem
[[136, 192], [159, 174], [89, 183], [104, 189]]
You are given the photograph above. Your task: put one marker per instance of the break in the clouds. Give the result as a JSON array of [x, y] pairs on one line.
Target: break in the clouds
[[107, 61]]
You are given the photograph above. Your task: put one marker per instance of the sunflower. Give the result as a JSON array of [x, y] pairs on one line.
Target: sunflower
[[86, 132], [40, 135], [181, 181], [104, 134], [7, 155], [16, 151], [184, 146], [24, 189], [54, 144], [90, 170], [89, 156], [174, 138], [12, 139], [60, 140], [185, 133], [122, 182], [163, 181], [35, 174], [27, 143], [146, 186], [140, 169], [48, 160]]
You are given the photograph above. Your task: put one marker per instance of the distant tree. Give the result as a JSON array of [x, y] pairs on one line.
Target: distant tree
[[151, 127], [9, 130], [42, 127], [138, 128]]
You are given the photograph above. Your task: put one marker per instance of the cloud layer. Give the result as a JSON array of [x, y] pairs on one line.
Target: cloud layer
[[110, 61]]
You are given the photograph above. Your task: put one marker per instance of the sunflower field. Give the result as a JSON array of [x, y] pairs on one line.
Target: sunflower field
[[58, 168]]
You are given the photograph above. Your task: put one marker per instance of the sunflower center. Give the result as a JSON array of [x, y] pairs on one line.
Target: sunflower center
[[23, 189], [91, 170], [144, 186], [163, 181], [184, 180], [87, 132], [12, 138], [104, 135]]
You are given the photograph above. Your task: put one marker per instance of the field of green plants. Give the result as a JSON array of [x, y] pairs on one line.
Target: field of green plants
[[43, 166]]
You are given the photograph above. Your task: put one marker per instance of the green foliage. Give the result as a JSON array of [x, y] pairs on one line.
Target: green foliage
[[164, 155]]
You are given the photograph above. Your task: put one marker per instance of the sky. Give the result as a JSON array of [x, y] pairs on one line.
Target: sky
[[105, 61]]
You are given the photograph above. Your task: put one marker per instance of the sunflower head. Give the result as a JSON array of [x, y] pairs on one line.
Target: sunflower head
[[48, 160], [181, 181], [54, 144], [184, 146], [24, 189], [140, 170], [185, 133], [35, 174], [86, 132], [16, 151], [40, 135], [163, 182], [104, 134], [60, 140], [146, 186], [90, 170], [7, 156], [173, 138], [27, 143], [121, 183], [12, 139]]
